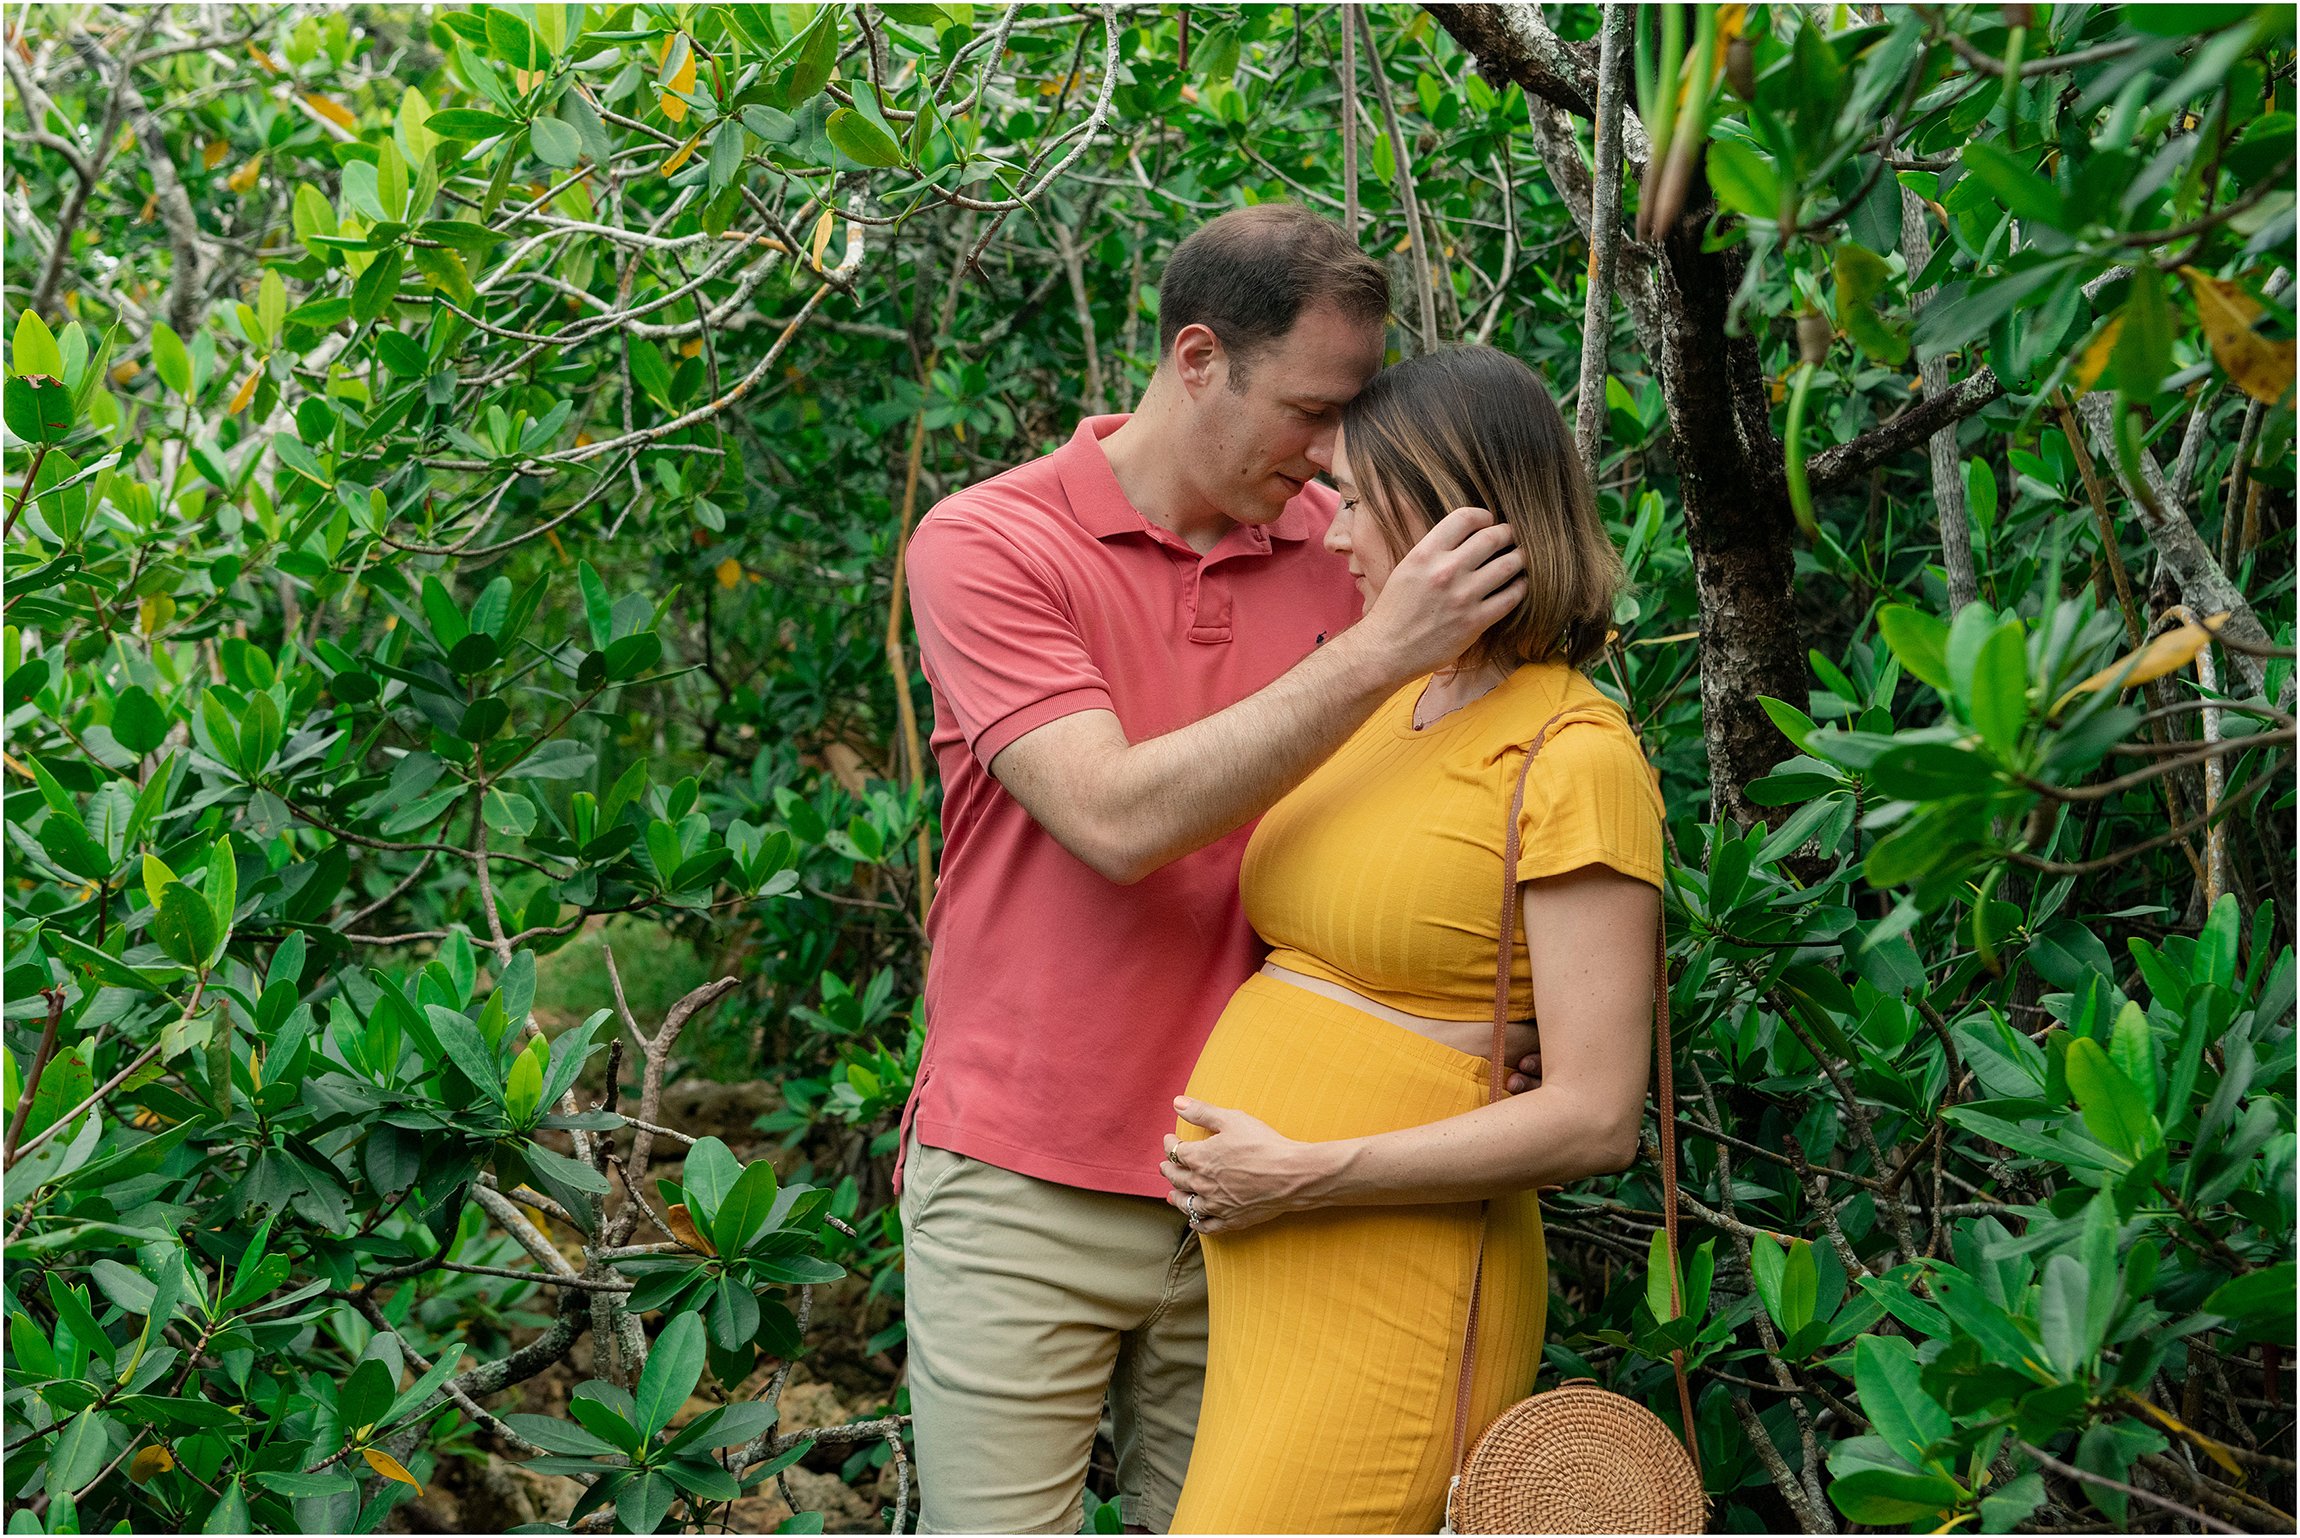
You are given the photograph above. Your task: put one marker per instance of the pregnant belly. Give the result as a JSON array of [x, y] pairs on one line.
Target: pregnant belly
[[1316, 1069], [1473, 1037]]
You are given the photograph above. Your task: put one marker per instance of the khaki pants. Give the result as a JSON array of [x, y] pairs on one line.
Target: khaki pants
[[1028, 1304]]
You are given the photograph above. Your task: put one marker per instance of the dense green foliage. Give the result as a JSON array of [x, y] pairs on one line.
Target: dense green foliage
[[457, 467]]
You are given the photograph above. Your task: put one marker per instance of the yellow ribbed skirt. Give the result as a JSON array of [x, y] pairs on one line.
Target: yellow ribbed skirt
[[1336, 1335]]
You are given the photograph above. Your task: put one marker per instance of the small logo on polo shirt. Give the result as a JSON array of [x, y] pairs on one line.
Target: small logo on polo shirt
[[1321, 640]]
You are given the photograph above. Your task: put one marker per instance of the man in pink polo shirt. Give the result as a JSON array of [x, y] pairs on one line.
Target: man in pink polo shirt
[[1136, 644]]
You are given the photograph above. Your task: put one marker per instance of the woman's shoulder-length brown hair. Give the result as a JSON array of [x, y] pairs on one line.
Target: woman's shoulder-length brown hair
[[1471, 426]]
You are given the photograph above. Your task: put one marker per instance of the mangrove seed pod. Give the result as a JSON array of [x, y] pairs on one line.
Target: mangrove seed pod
[[1741, 68], [1813, 333]]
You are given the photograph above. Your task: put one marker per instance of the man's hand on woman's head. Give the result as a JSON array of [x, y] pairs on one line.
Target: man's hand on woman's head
[[1463, 576]]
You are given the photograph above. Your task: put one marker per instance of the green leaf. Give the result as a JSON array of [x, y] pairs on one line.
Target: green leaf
[[466, 1049], [1931, 771], [557, 1436], [2143, 353], [138, 723], [79, 1454], [674, 1365], [817, 54], [2064, 1301], [372, 294], [301, 460], [508, 812], [556, 144], [1880, 1497], [711, 1172], [2000, 688], [2114, 1112], [862, 140], [1898, 1408], [743, 1212], [442, 615], [39, 410], [468, 123], [2018, 188], [2263, 1294], [1744, 180], [170, 361], [184, 925], [510, 39], [1919, 640], [523, 1086], [2132, 1047], [36, 351], [365, 1395], [598, 609]]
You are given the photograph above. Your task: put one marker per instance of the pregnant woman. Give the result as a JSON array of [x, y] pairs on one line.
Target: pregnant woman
[[1336, 1140]]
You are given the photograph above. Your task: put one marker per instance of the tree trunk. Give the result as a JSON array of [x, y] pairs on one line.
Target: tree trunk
[[1732, 470], [1732, 477], [1948, 474]]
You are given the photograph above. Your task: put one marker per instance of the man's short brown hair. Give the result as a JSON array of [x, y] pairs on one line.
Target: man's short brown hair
[[1248, 275]]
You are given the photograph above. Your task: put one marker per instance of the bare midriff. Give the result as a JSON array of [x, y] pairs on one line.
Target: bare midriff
[[1475, 1037]]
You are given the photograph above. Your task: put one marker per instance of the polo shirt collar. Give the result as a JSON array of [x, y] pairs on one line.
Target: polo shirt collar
[[1102, 509]]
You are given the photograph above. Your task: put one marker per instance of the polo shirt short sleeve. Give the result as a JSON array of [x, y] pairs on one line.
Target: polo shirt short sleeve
[[996, 635], [1064, 1012]]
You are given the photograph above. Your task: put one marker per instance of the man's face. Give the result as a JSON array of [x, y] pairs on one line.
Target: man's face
[[1260, 442]]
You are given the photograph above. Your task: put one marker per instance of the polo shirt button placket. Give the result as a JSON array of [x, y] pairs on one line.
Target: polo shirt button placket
[[1209, 607]]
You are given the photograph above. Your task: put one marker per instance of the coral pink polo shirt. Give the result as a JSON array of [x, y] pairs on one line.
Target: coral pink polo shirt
[[1064, 1012]]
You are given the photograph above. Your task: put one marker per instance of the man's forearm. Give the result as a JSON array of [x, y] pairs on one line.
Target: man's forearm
[[1182, 791]]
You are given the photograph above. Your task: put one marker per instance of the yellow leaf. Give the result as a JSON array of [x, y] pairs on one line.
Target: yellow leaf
[[2172, 1423], [245, 177], [245, 393], [683, 1229], [334, 111], [2168, 653], [691, 348], [730, 572], [2095, 359], [149, 1463], [681, 80], [1405, 242], [822, 238], [2259, 367], [679, 155], [215, 152], [123, 372], [389, 1467]]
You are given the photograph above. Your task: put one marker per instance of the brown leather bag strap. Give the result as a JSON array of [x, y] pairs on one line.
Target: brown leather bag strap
[[1507, 927], [1667, 1128]]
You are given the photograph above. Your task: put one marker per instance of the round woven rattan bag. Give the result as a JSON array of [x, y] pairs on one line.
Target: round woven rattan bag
[[1579, 1459]]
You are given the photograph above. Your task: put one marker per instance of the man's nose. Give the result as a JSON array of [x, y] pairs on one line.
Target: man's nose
[[1320, 451]]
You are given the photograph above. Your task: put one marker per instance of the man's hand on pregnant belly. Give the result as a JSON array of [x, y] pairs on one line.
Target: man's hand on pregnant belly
[[1528, 1075], [1242, 1172]]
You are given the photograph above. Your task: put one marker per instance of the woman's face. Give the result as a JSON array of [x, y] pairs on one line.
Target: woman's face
[[1355, 534]]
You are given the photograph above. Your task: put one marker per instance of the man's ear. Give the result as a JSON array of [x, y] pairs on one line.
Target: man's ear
[[1199, 358]]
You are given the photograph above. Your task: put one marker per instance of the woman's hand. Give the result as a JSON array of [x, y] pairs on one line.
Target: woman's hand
[[1242, 1172]]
